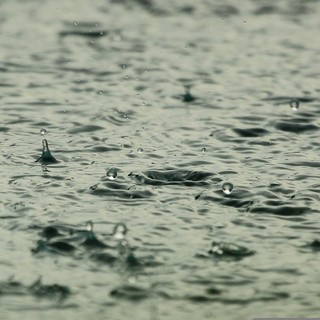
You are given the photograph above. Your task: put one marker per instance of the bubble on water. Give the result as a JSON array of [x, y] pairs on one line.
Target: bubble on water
[[294, 104], [112, 174], [139, 150], [203, 150], [43, 131], [227, 188], [119, 231], [89, 226]]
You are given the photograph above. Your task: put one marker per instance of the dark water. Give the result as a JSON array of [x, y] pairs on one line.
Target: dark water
[[173, 99]]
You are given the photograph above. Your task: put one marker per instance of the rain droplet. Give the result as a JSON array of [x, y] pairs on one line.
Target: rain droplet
[[112, 173], [43, 131], [227, 188], [203, 150], [294, 104], [120, 231], [139, 150], [89, 226]]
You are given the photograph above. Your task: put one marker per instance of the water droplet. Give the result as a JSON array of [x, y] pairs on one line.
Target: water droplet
[[45, 146], [203, 150], [112, 173], [89, 226], [132, 280], [43, 131], [227, 188], [294, 104], [139, 150], [120, 231]]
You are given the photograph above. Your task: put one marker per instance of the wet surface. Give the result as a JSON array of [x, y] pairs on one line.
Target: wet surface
[[159, 160]]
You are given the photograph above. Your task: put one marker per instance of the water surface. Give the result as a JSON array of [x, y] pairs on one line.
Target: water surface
[[149, 109]]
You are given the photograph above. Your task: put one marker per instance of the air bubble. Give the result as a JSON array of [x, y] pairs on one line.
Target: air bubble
[[112, 174], [227, 188], [43, 132], [294, 104]]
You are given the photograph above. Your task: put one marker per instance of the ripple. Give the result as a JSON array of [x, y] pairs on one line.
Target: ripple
[[172, 177], [130, 292], [295, 127], [251, 132]]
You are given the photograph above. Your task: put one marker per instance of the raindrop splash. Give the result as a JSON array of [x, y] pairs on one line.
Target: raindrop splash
[[46, 156], [294, 104], [119, 231], [227, 188], [112, 174], [188, 97], [91, 240]]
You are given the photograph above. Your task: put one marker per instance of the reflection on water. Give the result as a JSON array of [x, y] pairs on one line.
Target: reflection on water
[[159, 159]]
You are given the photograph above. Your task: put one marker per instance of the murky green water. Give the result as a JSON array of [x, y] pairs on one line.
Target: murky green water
[[150, 108]]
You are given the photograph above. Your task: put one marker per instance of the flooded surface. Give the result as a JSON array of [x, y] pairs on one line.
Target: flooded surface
[[159, 160]]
